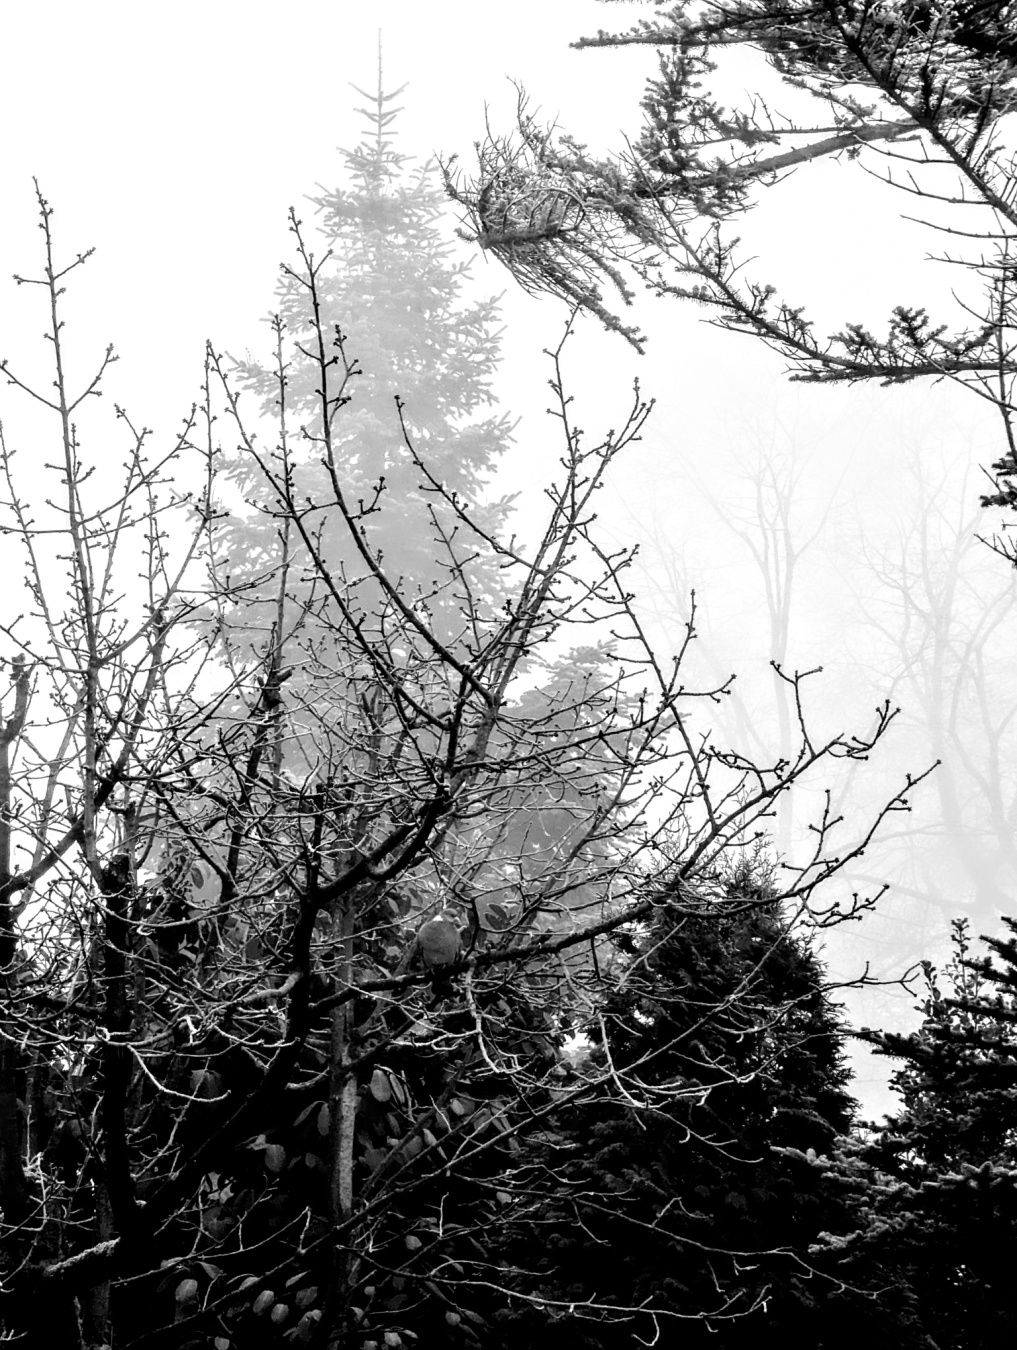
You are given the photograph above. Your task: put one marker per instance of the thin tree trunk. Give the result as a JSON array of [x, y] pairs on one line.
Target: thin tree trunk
[[343, 1121]]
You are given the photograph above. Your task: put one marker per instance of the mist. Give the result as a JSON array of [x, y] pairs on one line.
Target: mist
[[832, 530]]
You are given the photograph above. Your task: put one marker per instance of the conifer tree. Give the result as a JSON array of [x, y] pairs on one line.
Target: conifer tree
[[935, 1189], [412, 361], [671, 1208], [922, 92]]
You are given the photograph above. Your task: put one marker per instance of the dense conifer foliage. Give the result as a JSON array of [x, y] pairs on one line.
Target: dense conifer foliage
[[669, 1207], [934, 1191]]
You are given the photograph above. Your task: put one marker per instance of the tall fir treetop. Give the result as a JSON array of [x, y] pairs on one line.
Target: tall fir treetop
[[394, 300]]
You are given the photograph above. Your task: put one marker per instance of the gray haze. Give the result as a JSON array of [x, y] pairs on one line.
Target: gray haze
[[176, 147]]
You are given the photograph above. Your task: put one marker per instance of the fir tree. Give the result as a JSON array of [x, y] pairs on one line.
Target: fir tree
[[413, 358], [936, 1187], [681, 1205]]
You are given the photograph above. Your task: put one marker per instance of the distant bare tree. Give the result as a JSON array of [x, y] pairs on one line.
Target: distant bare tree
[[941, 617], [760, 500]]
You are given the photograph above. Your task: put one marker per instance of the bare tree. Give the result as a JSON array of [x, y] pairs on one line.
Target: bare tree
[[761, 502], [294, 933], [941, 618]]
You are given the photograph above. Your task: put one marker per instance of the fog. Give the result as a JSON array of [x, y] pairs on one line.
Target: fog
[[829, 529]]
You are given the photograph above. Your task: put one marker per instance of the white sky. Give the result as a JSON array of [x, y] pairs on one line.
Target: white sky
[[174, 138]]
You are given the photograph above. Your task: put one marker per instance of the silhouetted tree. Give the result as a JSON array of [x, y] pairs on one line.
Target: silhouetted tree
[[935, 1189], [663, 1206]]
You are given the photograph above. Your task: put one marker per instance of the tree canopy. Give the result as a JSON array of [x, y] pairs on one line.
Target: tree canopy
[[240, 1100], [919, 92]]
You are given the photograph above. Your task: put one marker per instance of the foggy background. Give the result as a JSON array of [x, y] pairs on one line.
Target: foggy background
[[830, 527]]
